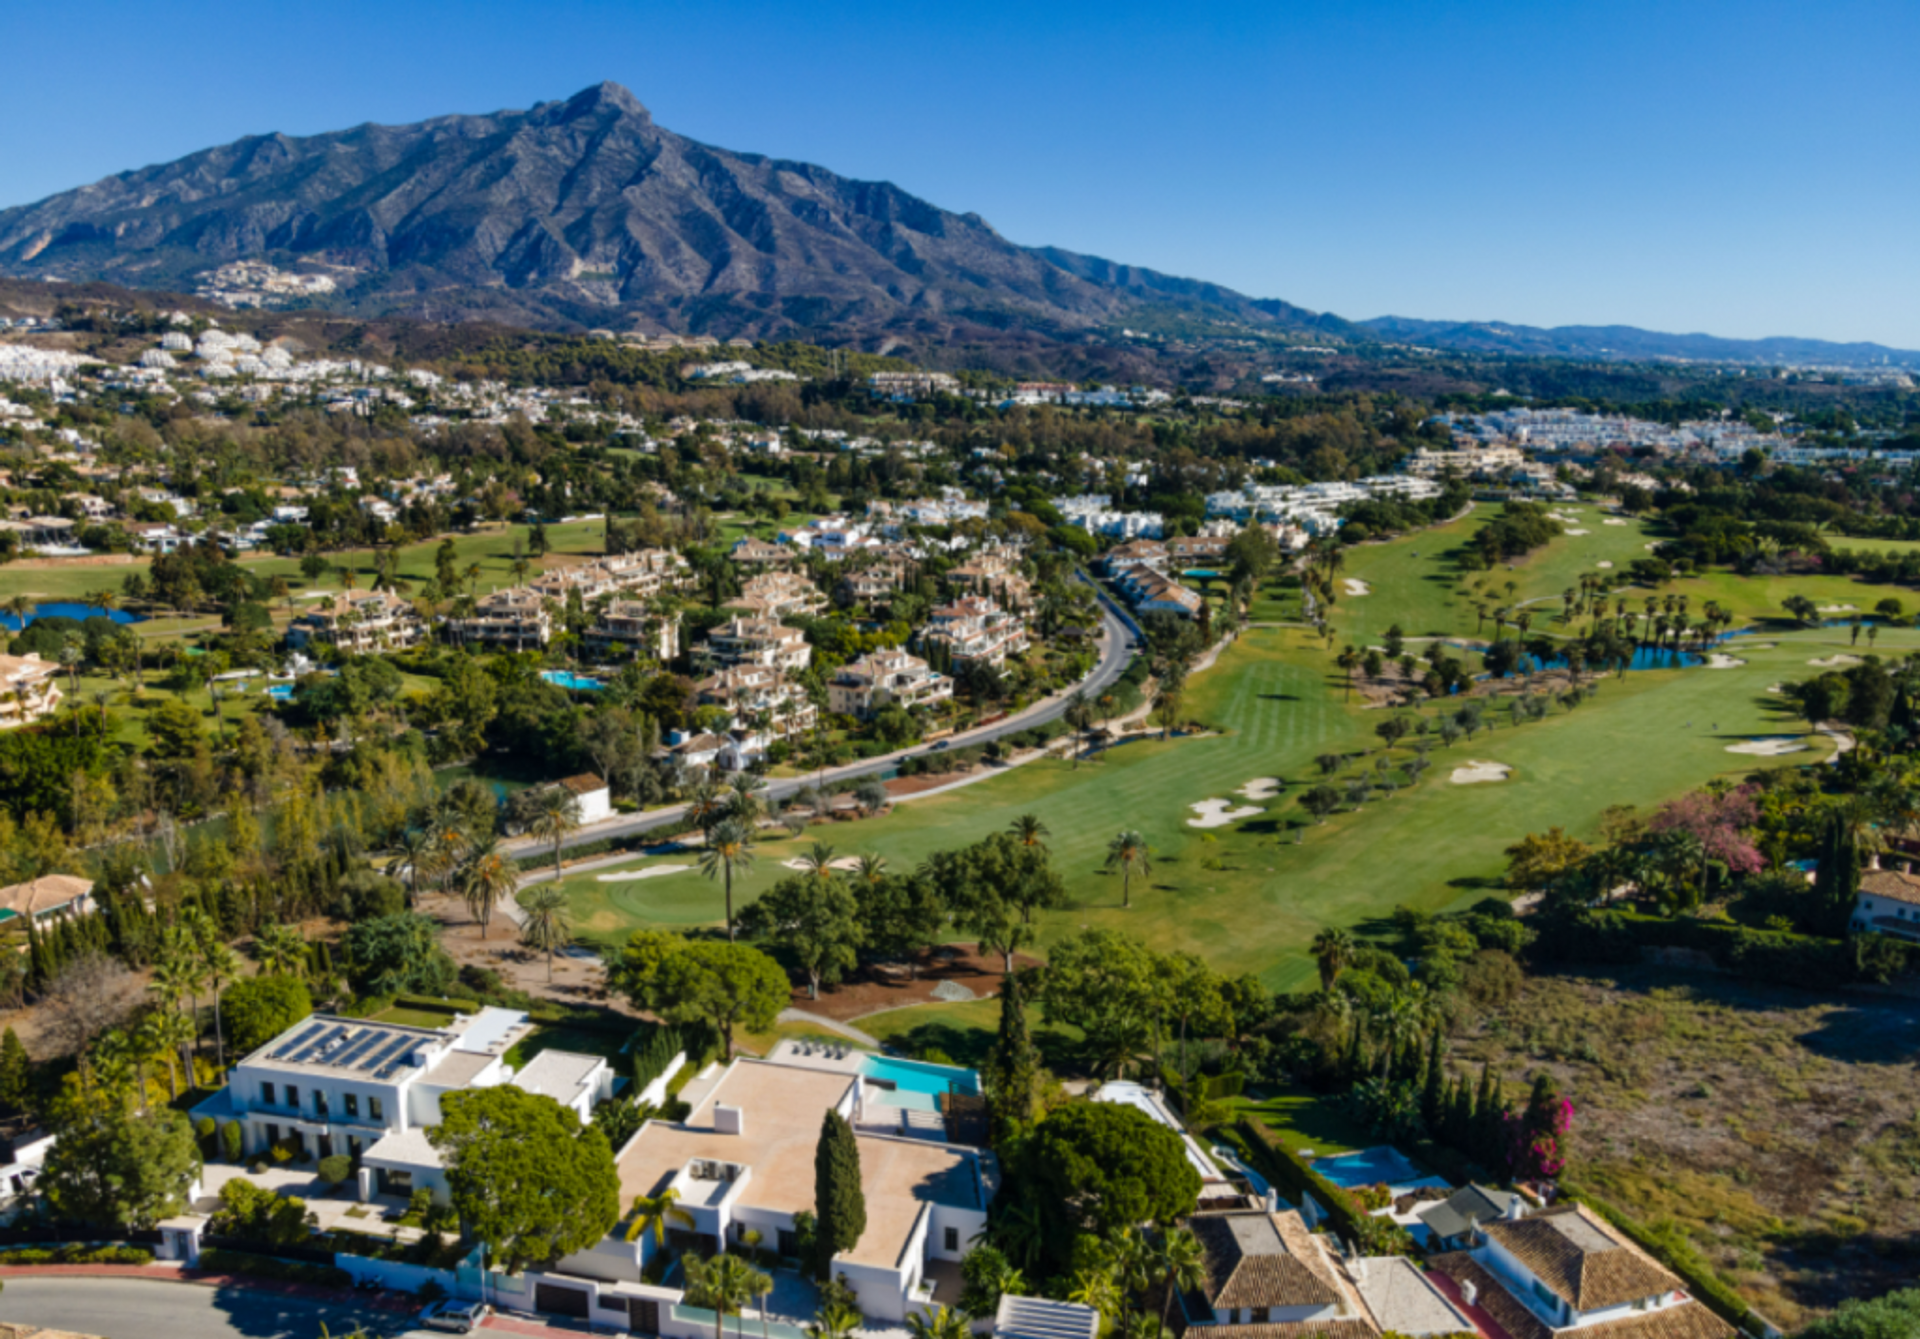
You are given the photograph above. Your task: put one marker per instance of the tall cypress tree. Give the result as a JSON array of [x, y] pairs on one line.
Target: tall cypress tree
[[16, 1073], [1433, 1099], [1014, 1065], [839, 1202]]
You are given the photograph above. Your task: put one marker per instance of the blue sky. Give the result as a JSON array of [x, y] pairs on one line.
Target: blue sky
[[1742, 169]]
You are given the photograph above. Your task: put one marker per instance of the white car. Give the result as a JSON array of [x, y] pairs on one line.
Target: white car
[[460, 1317]]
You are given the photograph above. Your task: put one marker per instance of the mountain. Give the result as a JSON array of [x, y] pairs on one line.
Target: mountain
[[1625, 342], [585, 213]]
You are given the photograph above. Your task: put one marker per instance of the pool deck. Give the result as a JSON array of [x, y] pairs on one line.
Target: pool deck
[[814, 1055]]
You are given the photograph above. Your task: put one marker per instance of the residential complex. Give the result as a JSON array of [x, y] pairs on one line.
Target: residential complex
[[759, 698], [974, 630], [29, 689], [515, 619], [758, 641], [882, 677], [360, 622]]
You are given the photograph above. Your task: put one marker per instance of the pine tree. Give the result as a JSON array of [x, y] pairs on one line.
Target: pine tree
[[16, 1073], [1013, 1067], [839, 1202]]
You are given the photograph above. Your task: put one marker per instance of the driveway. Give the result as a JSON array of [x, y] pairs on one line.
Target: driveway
[[136, 1309]]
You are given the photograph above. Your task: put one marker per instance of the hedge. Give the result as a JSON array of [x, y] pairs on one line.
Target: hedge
[[1762, 955], [76, 1254], [1706, 1286], [1297, 1177], [222, 1260]]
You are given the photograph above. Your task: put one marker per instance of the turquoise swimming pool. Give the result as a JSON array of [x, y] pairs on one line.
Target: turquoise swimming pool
[[916, 1084], [579, 683]]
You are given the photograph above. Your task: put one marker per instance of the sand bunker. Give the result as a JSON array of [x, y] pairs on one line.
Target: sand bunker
[[1650, 547], [621, 876], [1761, 646], [1776, 688], [1772, 746], [1603, 563], [1615, 520], [843, 863], [1260, 788], [1476, 771], [1836, 662], [1718, 661], [1579, 532], [1357, 587], [1219, 813]]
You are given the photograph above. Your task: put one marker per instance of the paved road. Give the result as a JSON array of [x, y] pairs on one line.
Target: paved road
[[136, 1309], [1115, 652]]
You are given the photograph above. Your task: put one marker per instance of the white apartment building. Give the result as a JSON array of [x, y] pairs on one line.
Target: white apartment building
[[517, 618], [975, 629], [871, 682], [360, 622], [759, 698], [635, 626], [29, 689], [777, 595], [758, 641]]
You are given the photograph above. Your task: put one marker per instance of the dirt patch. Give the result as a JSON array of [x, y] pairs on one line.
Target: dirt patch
[[88, 560], [1775, 1127], [902, 786], [575, 980], [875, 989]]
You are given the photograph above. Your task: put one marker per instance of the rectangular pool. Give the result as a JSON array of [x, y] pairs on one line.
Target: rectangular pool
[[916, 1084], [1382, 1165]]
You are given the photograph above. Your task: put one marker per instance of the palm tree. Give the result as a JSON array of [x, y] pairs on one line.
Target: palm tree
[[1028, 830], [281, 950], [1131, 1260], [1095, 1288], [834, 1320], [653, 1214], [706, 804], [746, 798], [871, 869], [724, 1284], [556, 814], [1180, 1263], [172, 1034], [222, 964], [944, 1323], [1128, 853], [416, 850], [817, 863], [549, 922], [729, 850], [1332, 951], [486, 879], [176, 980]]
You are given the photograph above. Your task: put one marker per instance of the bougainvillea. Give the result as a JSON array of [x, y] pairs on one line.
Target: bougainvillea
[[1719, 823], [1534, 1151]]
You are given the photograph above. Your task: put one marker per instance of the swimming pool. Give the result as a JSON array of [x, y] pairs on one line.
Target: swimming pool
[[579, 683], [1381, 1165], [280, 692], [1201, 573], [68, 609], [915, 1084]]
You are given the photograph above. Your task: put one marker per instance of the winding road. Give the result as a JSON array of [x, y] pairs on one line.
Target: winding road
[[1116, 649]]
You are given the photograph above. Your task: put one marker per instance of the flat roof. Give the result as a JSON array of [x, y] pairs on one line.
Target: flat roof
[[558, 1074], [781, 1109], [325, 1045]]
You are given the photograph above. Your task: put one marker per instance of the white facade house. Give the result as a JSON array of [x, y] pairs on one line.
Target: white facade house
[[371, 1090], [1888, 903]]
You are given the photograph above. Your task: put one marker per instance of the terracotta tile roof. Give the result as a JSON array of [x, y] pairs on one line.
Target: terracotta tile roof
[[1892, 885], [1355, 1328], [1491, 1296], [1688, 1320], [584, 784], [1251, 1264], [1580, 1258]]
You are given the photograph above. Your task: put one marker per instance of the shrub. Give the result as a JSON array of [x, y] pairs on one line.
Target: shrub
[[260, 1008], [203, 1130], [77, 1254], [233, 1140], [336, 1168]]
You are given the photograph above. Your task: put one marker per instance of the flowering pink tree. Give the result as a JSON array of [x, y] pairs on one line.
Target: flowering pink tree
[[1533, 1136], [1719, 823]]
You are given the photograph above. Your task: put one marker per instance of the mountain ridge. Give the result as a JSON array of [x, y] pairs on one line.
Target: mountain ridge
[[584, 212]]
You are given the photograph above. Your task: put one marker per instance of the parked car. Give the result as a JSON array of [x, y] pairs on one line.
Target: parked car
[[459, 1317]]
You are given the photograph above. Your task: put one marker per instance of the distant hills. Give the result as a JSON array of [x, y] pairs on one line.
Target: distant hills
[[584, 213]]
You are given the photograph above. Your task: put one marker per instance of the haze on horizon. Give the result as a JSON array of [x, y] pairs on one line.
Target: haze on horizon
[[1735, 170]]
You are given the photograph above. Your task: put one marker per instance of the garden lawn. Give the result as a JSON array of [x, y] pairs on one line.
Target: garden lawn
[[1300, 1119]]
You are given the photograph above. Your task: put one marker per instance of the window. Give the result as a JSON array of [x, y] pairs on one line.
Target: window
[[319, 1103], [293, 1097], [266, 1093], [351, 1102], [374, 1110], [952, 1240]]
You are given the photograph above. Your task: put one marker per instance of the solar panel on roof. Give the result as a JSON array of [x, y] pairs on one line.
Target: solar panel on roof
[[305, 1035], [387, 1060], [316, 1049], [356, 1048]]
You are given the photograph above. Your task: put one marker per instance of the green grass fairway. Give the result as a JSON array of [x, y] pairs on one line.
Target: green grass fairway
[[1250, 899]]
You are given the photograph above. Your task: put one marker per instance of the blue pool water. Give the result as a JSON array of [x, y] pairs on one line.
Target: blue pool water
[[916, 1084], [1383, 1165], [568, 679], [280, 692], [1200, 572], [68, 609]]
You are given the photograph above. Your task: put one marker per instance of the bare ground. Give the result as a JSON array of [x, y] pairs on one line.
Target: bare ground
[[1776, 1128]]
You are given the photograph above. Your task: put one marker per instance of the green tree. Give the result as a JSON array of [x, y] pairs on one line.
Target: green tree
[[943, 1323], [1101, 1168], [1013, 1067], [723, 1285], [818, 921], [260, 1008], [1894, 1315], [115, 1169], [1332, 950], [1180, 1264], [654, 1214], [556, 816], [721, 986], [389, 955], [548, 927], [281, 951], [993, 889], [486, 878], [1104, 983], [729, 850], [526, 1177], [839, 1200], [1128, 854], [16, 1073]]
